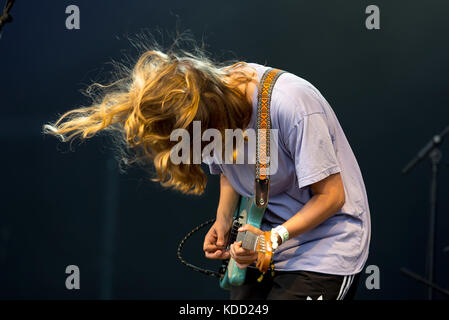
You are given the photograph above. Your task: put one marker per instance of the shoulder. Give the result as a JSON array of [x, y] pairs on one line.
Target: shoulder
[[296, 95], [293, 99]]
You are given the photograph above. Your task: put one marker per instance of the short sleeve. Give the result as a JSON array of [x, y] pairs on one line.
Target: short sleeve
[[312, 150], [214, 168]]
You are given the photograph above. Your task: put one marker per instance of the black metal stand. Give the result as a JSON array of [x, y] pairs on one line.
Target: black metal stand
[[421, 279], [432, 150]]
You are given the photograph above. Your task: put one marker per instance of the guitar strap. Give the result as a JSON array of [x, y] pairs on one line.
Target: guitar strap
[[263, 136]]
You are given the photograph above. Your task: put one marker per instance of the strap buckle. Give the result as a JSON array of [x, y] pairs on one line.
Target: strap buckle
[[261, 192]]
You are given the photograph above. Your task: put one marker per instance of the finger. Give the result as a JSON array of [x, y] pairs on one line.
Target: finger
[[232, 251], [210, 243], [245, 258], [218, 254], [243, 261], [220, 239], [242, 256], [243, 252], [211, 248], [250, 228], [239, 250], [225, 255], [233, 248], [209, 239], [210, 255]]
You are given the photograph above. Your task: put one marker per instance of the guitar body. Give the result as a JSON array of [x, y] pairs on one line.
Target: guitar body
[[246, 213]]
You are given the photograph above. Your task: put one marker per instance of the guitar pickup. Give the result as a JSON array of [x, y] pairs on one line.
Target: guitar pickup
[[233, 233]]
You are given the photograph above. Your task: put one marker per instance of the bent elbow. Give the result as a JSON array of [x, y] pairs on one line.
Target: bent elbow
[[340, 200]]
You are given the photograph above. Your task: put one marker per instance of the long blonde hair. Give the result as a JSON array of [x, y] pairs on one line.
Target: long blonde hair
[[162, 92]]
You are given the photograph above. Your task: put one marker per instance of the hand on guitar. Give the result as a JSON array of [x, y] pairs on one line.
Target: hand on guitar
[[215, 240], [244, 257]]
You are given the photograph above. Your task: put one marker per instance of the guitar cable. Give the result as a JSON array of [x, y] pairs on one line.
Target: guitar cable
[[232, 236], [189, 265]]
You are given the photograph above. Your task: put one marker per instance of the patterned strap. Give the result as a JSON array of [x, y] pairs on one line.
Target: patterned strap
[[264, 122], [263, 134]]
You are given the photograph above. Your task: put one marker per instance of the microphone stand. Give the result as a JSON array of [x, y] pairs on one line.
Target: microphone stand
[[433, 151]]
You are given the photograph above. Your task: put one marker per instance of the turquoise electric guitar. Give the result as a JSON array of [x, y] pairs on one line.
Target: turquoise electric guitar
[[246, 213]]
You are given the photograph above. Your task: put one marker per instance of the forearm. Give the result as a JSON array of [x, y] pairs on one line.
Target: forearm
[[228, 200], [318, 209]]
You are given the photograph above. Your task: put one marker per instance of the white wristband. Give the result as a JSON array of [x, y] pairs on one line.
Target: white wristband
[[274, 240], [283, 232]]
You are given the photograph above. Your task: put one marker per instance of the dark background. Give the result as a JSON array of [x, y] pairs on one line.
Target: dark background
[[388, 87]]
